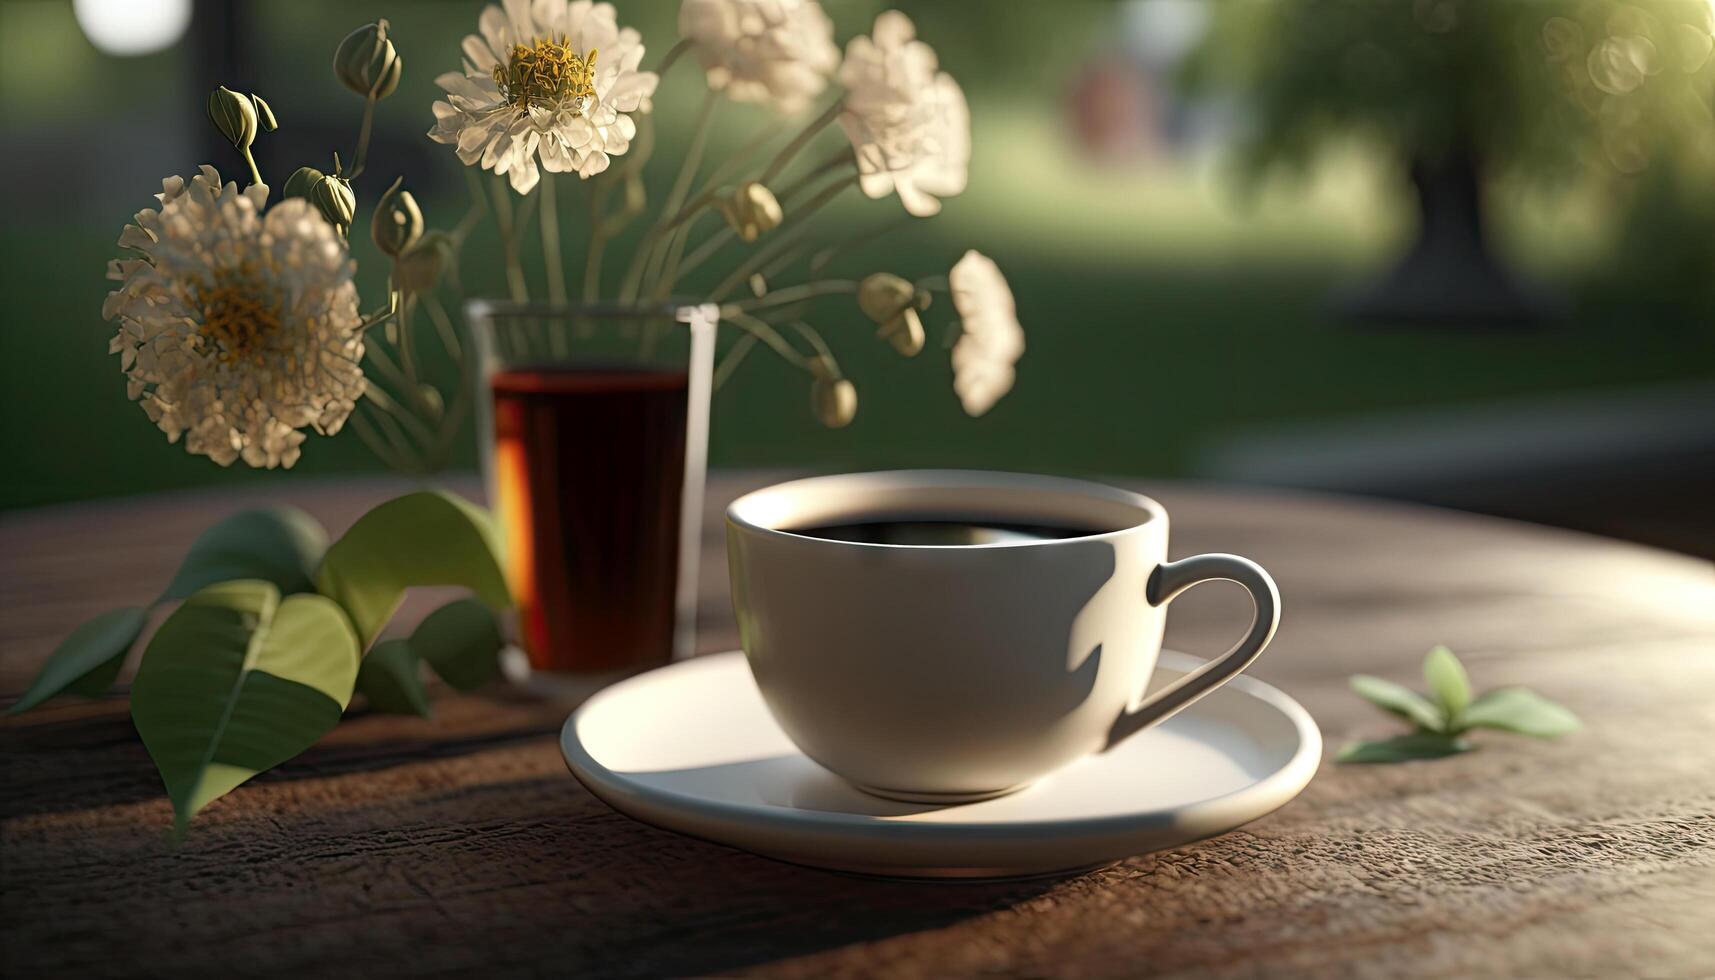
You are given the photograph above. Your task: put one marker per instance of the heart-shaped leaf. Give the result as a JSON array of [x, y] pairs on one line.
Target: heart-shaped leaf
[[237, 681], [1400, 700], [1520, 710], [462, 642], [392, 679], [425, 538], [87, 661], [1447, 680], [282, 545], [1403, 748]]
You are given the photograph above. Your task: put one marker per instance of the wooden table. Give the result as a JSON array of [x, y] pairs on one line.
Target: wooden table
[[460, 844]]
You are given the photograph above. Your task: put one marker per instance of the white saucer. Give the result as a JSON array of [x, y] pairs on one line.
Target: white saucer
[[692, 748]]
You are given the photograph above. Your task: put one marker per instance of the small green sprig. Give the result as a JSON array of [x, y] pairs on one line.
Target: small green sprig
[[1442, 720]]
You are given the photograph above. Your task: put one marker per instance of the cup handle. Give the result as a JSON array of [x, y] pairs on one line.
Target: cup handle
[[1167, 581]]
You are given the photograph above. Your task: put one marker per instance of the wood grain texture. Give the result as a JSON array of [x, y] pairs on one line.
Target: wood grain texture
[[401, 846]]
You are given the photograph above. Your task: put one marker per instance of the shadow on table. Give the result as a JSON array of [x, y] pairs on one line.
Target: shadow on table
[[74, 755], [612, 897]]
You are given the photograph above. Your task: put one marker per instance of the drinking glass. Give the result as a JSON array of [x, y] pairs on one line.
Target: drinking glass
[[594, 426]]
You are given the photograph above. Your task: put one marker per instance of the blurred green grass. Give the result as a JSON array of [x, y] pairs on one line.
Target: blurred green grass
[[1132, 364], [1161, 313]]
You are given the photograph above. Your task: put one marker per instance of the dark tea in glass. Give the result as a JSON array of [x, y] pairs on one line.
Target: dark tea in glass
[[596, 441]]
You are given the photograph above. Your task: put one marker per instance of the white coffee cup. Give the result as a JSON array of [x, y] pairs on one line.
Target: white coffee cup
[[958, 672]]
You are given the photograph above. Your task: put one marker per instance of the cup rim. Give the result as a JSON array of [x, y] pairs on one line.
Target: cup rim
[[1152, 513]]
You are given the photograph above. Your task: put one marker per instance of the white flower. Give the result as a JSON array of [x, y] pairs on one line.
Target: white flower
[[991, 340], [550, 78], [237, 327], [907, 121], [775, 52]]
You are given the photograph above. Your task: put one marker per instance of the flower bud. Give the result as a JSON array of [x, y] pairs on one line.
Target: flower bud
[[752, 211], [366, 63], [422, 265], [893, 303], [834, 400], [333, 197], [397, 222], [234, 115], [904, 332], [883, 295], [432, 397], [264, 115], [301, 181]]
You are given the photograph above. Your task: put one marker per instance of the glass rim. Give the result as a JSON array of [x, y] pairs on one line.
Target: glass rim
[[682, 310]]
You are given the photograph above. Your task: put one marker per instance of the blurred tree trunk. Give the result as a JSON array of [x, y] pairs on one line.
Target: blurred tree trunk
[[1449, 277]]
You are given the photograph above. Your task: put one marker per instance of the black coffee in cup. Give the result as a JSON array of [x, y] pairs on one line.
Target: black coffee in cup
[[940, 530]]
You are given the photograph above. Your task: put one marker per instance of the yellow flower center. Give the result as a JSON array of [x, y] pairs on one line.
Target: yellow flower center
[[548, 73], [237, 318]]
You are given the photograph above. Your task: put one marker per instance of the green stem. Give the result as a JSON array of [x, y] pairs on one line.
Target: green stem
[[703, 200], [474, 214], [379, 446], [790, 150], [816, 341], [841, 157], [598, 242], [826, 257], [377, 319], [550, 222], [250, 160], [934, 283], [764, 331], [455, 413], [672, 55], [733, 358], [408, 359], [795, 294], [444, 331], [795, 223], [359, 158], [714, 243], [379, 358], [652, 240], [665, 259], [408, 458], [379, 396], [651, 253], [505, 219], [642, 148], [693, 156], [784, 261], [737, 161]]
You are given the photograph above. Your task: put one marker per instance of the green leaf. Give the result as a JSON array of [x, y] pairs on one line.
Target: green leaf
[[1446, 678], [87, 661], [426, 538], [462, 642], [1402, 748], [392, 679], [1520, 710], [1402, 701], [281, 545], [237, 681]]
